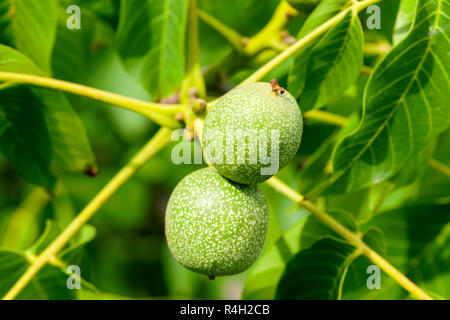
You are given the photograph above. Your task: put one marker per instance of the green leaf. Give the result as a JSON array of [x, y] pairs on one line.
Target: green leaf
[[112, 214], [415, 168], [34, 28], [314, 169], [432, 268], [323, 71], [48, 284], [262, 280], [297, 75], [40, 133], [52, 230], [317, 273], [315, 229], [409, 230], [75, 47], [355, 284], [13, 61], [434, 184], [405, 19], [6, 32], [375, 239], [150, 41], [417, 242], [74, 251], [405, 105], [69, 52]]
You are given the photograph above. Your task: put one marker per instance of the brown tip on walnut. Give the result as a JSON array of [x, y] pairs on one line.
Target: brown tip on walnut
[[274, 83], [276, 87]]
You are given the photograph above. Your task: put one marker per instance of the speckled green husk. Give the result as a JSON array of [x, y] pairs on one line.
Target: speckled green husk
[[215, 226], [254, 107]]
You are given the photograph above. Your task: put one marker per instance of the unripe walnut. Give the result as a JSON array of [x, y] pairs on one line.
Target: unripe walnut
[[253, 132], [215, 226]]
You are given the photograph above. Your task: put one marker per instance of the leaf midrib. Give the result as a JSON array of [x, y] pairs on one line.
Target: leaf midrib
[[394, 109]]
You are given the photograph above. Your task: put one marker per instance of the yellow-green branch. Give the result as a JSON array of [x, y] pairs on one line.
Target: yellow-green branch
[[441, 167], [161, 139], [159, 113], [351, 237], [268, 37], [234, 37], [326, 117]]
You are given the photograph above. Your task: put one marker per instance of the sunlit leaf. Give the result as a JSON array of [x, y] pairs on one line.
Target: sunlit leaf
[[416, 242], [33, 25], [13, 61], [415, 167], [432, 268], [405, 19], [435, 184], [405, 105], [262, 281], [317, 273], [324, 70]]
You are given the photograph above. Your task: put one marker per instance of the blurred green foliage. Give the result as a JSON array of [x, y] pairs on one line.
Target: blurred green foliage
[[125, 254]]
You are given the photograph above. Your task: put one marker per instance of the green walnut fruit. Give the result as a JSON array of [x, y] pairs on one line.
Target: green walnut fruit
[[215, 226], [253, 132]]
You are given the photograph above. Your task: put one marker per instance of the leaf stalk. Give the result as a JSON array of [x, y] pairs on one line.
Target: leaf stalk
[[159, 113]]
